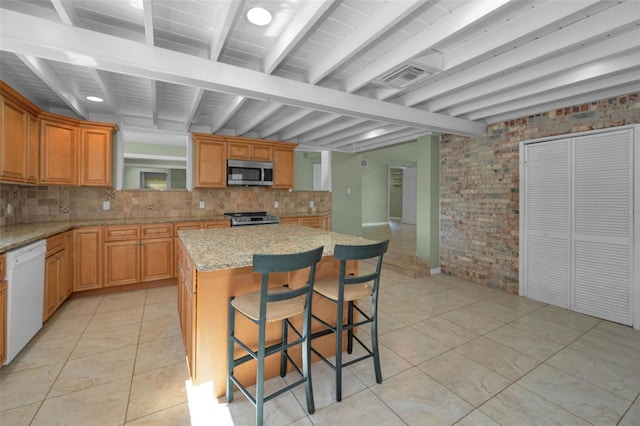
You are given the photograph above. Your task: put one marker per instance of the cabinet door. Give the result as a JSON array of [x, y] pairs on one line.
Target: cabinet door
[[62, 277], [33, 154], [87, 243], [283, 167], [311, 221], [239, 150], [51, 265], [96, 157], [261, 152], [210, 157], [67, 284], [289, 221], [13, 149], [3, 321], [157, 259], [58, 153], [121, 262]]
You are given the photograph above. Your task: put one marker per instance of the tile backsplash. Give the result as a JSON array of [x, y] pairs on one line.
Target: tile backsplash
[[31, 204]]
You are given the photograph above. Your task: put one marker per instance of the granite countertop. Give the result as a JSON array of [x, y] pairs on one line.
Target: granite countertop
[[13, 236], [216, 249]]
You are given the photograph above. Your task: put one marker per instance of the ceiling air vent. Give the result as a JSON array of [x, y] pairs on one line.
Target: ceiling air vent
[[406, 75]]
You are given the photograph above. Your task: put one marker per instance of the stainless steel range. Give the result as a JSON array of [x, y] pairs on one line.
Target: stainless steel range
[[252, 218]]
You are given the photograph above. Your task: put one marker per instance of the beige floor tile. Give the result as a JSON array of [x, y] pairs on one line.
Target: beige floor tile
[[535, 346], [399, 293], [407, 313], [495, 311], [40, 353], [120, 301], [21, 416], [498, 358], [159, 329], [622, 356], [618, 334], [518, 303], [477, 418], [78, 307], [461, 296], [157, 390], [390, 363], [114, 320], [162, 295], [632, 416], [442, 331], [59, 326], [553, 331], [437, 304], [106, 340], [432, 285], [363, 408], [573, 320], [93, 370], [416, 348], [473, 321], [519, 406], [414, 396], [602, 374], [28, 386], [159, 353], [579, 397], [175, 416], [468, 379], [158, 311], [104, 404], [388, 324]]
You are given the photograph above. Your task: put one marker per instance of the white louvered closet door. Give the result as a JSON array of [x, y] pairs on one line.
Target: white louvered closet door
[[603, 226], [547, 222]]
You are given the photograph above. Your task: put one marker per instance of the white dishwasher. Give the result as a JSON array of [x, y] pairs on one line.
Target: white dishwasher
[[25, 295]]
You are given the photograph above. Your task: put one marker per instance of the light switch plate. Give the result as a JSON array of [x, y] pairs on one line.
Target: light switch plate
[[312, 204], [276, 204], [9, 209], [202, 204], [106, 205]]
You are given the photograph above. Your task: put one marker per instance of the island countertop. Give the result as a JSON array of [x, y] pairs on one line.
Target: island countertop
[[225, 248]]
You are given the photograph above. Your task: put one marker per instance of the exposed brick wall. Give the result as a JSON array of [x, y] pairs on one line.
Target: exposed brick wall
[[479, 184]]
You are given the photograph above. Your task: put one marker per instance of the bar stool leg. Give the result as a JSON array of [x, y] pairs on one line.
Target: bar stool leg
[[283, 354], [340, 307], [260, 375], [306, 364], [374, 343], [350, 331], [230, 354]]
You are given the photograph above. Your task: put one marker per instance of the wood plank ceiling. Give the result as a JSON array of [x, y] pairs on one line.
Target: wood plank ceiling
[[341, 75]]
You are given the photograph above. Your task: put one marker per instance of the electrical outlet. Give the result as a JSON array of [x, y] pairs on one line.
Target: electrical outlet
[[106, 205], [312, 204], [276, 204], [202, 204], [348, 191], [9, 209]]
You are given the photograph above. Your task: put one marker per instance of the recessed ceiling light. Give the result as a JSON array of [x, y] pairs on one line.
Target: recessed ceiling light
[[259, 16], [94, 99]]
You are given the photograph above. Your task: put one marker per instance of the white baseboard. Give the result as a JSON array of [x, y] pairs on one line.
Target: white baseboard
[[435, 271], [375, 224], [395, 218]]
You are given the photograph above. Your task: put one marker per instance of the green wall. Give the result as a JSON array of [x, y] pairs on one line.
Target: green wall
[[346, 208], [428, 201], [374, 191], [304, 169]]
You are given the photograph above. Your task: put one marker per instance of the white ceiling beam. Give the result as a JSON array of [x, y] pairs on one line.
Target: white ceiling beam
[[584, 75], [369, 135], [457, 20], [66, 10], [623, 79], [281, 124], [583, 98], [300, 25], [308, 125], [78, 46], [379, 23], [354, 130], [44, 71], [329, 130], [102, 79], [612, 46], [259, 117], [597, 25], [401, 135], [228, 110], [147, 11], [391, 140], [228, 12], [194, 103], [153, 88]]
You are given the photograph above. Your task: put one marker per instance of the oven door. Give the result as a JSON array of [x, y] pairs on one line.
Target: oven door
[[250, 173]]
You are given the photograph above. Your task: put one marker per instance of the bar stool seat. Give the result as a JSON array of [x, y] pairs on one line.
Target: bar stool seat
[[344, 292], [271, 305]]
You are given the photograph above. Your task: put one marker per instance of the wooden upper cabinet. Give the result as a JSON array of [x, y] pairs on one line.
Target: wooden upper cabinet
[[58, 151], [248, 149], [96, 155], [33, 160], [210, 161], [284, 166], [18, 117]]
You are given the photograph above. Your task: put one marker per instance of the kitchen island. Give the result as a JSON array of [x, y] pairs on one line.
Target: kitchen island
[[215, 264]]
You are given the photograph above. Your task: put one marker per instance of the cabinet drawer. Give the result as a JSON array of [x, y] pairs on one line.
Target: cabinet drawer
[[118, 233], [313, 222], [289, 221], [217, 224], [156, 231], [55, 244], [183, 226]]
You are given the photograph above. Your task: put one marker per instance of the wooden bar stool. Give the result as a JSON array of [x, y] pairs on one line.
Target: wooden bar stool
[[347, 289], [269, 305]]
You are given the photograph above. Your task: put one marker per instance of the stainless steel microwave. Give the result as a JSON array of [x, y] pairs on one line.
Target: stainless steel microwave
[[249, 173]]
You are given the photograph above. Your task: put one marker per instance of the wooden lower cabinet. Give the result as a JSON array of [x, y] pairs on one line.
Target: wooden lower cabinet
[[87, 244], [318, 222], [187, 304], [57, 274], [121, 262], [156, 256]]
